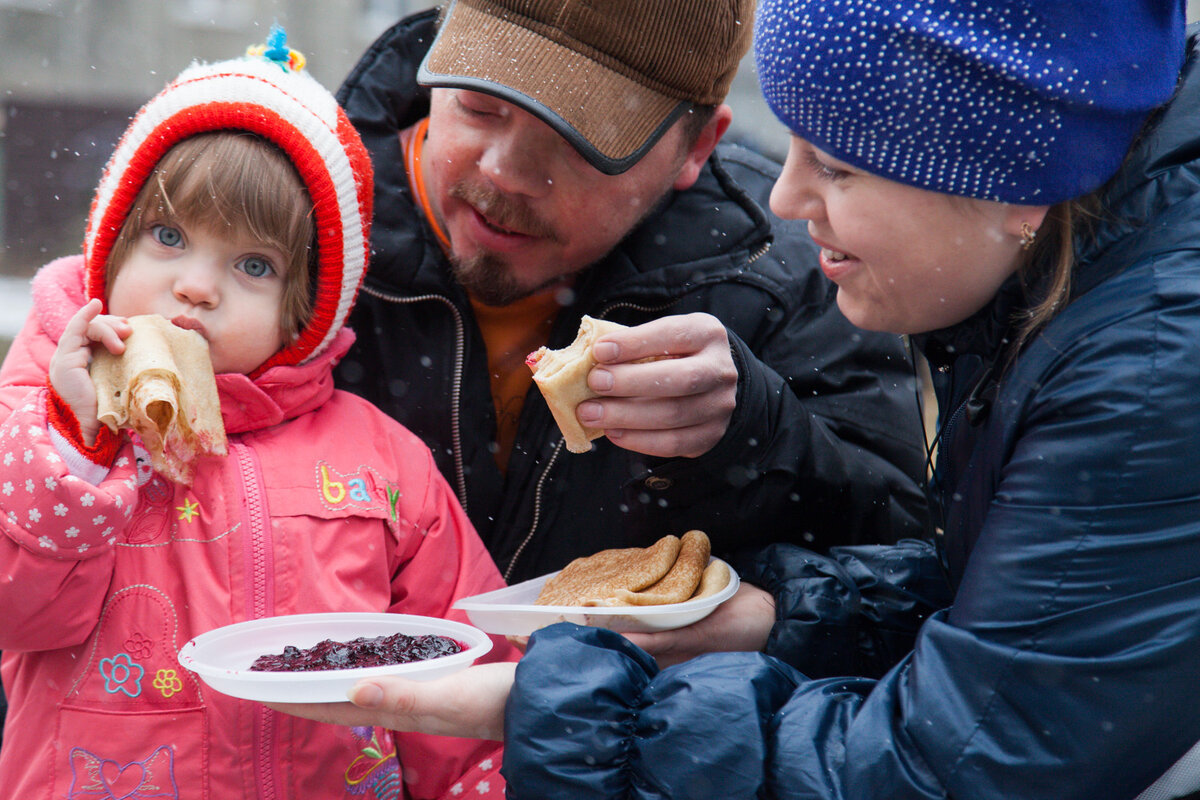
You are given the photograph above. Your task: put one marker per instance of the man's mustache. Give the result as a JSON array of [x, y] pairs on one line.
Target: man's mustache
[[503, 211]]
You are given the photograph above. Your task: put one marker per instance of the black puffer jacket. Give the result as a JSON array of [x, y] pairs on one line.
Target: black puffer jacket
[[824, 447]]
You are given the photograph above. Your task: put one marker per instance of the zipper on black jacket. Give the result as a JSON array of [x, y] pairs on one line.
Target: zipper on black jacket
[[460, 338], [537, 494]]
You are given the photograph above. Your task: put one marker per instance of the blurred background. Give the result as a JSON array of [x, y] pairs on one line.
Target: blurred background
[[73, 71]]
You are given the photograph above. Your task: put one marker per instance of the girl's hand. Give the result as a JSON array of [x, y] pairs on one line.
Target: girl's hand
[[69, 364]]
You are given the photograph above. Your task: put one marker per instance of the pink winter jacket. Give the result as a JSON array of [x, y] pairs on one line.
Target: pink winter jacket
[[323, 504]]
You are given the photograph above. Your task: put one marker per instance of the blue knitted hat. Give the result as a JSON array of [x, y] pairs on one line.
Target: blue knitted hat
[[1022, 101]]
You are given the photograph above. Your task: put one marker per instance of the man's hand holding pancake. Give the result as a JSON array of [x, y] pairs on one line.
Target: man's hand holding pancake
[[665, 388]]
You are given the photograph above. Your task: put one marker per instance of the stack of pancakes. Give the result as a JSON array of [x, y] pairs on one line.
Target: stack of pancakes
[[671, 570]]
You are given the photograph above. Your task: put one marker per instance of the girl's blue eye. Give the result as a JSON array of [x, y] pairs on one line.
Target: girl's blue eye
[[257, 267], [166, 235]]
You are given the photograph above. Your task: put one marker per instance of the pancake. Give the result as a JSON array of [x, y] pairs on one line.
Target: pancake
[[594, 580], [680, 582], [714, 579], [561, 376], [672, 570], [163, 388]]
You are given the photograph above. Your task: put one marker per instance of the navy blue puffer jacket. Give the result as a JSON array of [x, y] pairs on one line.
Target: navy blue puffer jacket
[[1057, 632]]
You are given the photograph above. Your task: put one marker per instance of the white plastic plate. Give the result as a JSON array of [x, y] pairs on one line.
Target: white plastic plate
[[222, 657], [511, 611]]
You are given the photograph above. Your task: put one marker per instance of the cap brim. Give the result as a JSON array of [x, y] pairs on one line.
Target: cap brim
[[610, 119]]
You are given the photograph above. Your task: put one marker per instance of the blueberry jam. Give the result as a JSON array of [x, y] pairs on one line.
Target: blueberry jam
[[398, 648]]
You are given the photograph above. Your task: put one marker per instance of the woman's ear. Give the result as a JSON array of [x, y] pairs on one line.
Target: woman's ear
[[702, 148], [1021, 219]]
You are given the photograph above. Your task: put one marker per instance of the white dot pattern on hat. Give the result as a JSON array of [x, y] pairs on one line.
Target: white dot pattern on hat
[[1005, 100], [896, 89]]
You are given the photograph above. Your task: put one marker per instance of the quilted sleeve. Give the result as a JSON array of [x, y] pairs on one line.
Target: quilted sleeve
[[58, 529]]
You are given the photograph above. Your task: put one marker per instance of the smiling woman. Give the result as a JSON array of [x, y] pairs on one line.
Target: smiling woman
[[916, 287]]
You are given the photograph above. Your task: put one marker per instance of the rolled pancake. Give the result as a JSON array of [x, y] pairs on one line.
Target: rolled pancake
[[594, 580], [681, 580], [163, 388], [561, 376], [714, 579]]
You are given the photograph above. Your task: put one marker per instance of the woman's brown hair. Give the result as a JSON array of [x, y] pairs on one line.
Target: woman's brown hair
[[232, 180], [1050, 262]]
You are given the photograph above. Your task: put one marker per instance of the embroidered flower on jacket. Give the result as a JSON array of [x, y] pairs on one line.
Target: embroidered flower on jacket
[[140, 645], [121, 674], [167, 681]]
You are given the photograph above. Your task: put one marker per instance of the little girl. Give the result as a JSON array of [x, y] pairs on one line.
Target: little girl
[[237, 204]]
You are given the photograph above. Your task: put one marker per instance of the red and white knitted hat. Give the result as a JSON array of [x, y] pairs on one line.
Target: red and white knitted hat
[[266, 93]]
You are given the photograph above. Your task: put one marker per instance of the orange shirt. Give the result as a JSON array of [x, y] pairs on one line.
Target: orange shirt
[[510, 333]]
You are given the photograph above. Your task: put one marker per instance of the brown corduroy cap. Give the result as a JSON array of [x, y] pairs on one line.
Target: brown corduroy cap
[[610, 76]]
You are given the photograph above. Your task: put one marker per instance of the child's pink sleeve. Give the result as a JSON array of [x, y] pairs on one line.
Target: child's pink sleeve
[[56, 529], [482, 778]]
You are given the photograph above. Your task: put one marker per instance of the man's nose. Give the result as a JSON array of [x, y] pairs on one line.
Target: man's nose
[[517, 160]]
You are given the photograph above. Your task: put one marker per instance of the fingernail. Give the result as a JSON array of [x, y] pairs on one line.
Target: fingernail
[[600, 380], [589, 411], [605, 351], [366, 695]]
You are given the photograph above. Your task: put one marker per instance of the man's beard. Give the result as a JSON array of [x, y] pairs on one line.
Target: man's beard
[[489, 277]]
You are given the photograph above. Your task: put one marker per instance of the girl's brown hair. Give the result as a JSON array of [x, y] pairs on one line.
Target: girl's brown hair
[[232, 180]]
